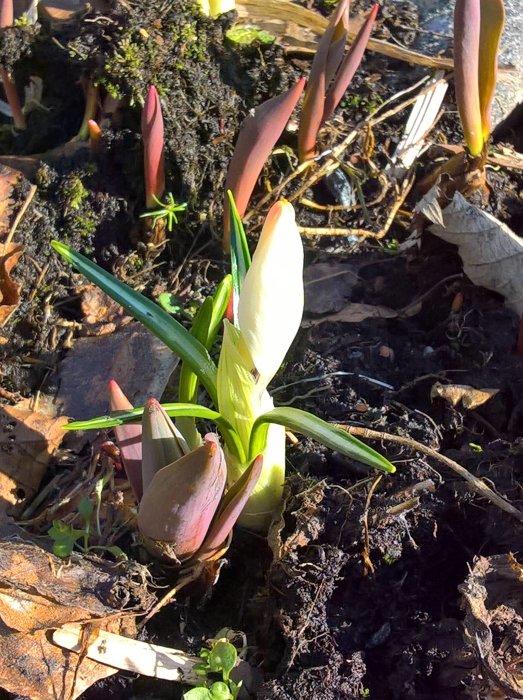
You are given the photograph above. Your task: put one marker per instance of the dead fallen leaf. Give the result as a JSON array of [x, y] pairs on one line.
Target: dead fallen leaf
[[328, 286], [493, 595], [454, 393], [9, 289], [353, 313], [492, 254], [39, 592], [27, 441], [102, 315], [9, 178]]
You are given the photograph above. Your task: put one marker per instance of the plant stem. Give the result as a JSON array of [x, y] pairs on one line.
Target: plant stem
[[13, 100]]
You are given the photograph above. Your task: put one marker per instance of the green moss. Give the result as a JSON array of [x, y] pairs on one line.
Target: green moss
[[74, 193]]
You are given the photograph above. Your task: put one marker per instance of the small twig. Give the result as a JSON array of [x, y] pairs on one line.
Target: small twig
[[476, 485], [20, 214], [168, 597], [367, 563]]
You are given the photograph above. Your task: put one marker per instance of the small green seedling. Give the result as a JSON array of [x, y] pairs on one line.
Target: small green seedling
[[166, 210], [221, 658], [65, 536]]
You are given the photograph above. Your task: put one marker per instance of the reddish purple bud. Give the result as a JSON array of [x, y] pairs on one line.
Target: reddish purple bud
[[153, 148], [182, 499], [349, 65], [128, 438], [258, 135]]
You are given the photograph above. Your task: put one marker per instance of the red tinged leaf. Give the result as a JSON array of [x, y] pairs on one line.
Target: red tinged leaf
[[258, 135], [324, 67], [182, 499], [230, 509], [491, 29], [153, 148], [129, 439], [467, 22], [349, 65]]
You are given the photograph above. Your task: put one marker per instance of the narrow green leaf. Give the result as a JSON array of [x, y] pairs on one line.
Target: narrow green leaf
[[317, 429], [158, 321], [220, 303], [174, 410], [188, 384], [240, 256]]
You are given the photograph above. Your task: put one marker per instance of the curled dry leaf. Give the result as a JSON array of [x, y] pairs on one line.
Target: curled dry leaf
[[492, 254], [454, 393], [9, 289], [9, 178], [38, 592], [354, 313], [493, 626], [27, 442]]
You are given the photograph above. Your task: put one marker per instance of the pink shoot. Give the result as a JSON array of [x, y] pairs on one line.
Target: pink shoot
[[478, 25], [95, 136], [128, 438], [153, 145], [349, 65], [258, 135], [11, 94]]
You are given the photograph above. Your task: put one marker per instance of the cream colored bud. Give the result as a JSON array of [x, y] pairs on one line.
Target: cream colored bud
[[271, 299]]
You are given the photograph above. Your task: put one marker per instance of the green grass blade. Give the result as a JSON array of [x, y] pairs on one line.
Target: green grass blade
[[158, 321], [240, 256], [317, 429], [220, 303], [174, 410]]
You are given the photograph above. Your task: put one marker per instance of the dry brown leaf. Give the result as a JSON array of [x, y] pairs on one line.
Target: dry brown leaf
[[9, 289], [493, 595], [354, 313], [492, 254], [328, 286], [102, 315], [8, 180], [454, 393], [39, 592], [27, 441]]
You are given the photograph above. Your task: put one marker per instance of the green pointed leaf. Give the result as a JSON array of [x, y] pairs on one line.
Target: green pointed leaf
[[158, 321], [240, 256], [223, 657], [174, 410], [317, 429]]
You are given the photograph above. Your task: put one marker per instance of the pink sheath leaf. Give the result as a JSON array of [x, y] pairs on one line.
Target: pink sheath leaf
[[230, 509], [153, 148], [466, 66], [324, 66], [183, 497], [349, 66], [162, 443], [491, 29], [128, 439], [258, 135]]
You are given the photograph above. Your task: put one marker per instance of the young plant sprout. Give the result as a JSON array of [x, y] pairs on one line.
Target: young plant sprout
[[478, 25], [330, 75], [95, 136], [166, 210], [153, 149], [268, 307], [258, 135], [11, 94]]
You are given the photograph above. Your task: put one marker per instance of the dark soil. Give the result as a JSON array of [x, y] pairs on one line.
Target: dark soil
[[359, 597]]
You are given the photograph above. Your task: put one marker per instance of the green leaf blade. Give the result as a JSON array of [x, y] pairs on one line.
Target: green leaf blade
[[152, 316], [321, 431]]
